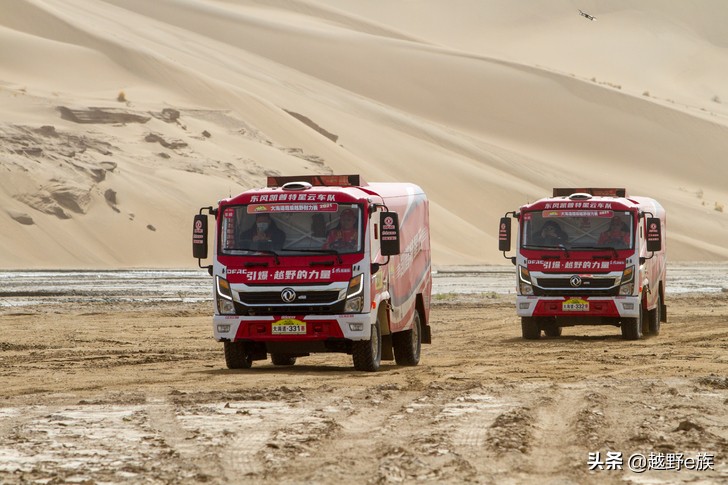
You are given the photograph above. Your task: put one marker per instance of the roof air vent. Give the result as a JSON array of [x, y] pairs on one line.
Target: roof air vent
[[297, 186], [580, 196]]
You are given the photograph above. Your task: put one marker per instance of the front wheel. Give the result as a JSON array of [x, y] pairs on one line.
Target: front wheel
[[237, 356], [530, 328], [408, 344], [632, 327], [367, 354]]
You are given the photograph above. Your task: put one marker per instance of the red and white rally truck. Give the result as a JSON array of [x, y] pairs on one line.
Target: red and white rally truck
[[589, 256], [287, 284]]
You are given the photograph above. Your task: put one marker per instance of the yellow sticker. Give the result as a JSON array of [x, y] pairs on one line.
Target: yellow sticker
[[288, 326], [575, 305]]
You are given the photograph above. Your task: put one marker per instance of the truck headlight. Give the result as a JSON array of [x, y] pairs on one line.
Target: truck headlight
[[626, 284], [524, 281], [225, 305], [355, 295]]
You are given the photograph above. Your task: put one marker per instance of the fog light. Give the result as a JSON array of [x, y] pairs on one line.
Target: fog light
[[524, 306], [356, 327], [628, 306], [223, 328]]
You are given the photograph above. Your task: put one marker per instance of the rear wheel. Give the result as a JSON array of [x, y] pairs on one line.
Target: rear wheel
[[282, 359], [408, 344], [654, 317], [552, 330], [632, 327], [530, 328], [367, 354], [237, 356]]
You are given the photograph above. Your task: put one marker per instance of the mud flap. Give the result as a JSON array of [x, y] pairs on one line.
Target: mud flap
[[426, 335]]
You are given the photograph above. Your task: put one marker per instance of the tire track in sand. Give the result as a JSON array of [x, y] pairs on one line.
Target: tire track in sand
[[559, 442], [222, 438]]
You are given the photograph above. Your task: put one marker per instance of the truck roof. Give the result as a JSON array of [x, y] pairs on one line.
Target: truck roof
[[596, 198], [350, 187]]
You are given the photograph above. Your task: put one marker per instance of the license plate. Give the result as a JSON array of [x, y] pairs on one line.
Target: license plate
[[289, 326], [575, 305]]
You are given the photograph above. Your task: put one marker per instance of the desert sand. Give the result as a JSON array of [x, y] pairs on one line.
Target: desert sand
[[119, 119]]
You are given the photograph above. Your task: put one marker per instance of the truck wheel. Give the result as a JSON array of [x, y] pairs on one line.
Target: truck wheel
[[530, 328], [654, 317], [408, 344], [367, 354], [552, 330], [237, 356], [632, 327], [282, 359]]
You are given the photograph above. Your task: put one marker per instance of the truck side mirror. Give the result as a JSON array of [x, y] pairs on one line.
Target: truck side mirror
[[199, 237], [504, 238], [654, 234], [504, 235], [389, 233]]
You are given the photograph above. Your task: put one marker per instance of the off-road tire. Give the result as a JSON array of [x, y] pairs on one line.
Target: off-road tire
[[367, 354], [632, 327], [407, 345], [282, 359], [237, 356], [530, 328], [654, 317]]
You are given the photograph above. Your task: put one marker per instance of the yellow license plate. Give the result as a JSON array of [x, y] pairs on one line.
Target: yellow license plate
[[575, 305], [289, 326]]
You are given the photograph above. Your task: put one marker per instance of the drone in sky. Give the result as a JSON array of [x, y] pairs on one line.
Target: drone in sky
[[586, 15]]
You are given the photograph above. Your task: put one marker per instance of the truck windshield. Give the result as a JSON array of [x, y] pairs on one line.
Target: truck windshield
[[291, 229], [578, 229]]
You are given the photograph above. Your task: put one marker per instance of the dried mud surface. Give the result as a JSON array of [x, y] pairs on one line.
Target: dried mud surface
[[139, 393]]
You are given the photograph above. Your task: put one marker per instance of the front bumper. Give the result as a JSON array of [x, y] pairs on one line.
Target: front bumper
[[561, 306], [301, 328]]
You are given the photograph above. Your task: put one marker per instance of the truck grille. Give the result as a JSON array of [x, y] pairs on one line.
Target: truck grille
[[306, 302], [586, 283], [274, 297], [561, 286]]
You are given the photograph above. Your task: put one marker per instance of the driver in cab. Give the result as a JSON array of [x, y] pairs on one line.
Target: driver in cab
[[344, 237]]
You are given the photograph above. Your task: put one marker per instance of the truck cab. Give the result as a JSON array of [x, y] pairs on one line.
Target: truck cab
[[324, 263], [589, 256]]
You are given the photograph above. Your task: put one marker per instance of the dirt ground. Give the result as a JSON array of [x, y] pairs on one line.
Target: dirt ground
[[139, 393]]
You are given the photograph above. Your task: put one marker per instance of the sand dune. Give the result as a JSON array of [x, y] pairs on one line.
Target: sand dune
[[485, 104]]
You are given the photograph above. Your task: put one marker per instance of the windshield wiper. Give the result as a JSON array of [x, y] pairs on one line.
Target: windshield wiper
[[319, 251], [601, 248], [264, 251], [559, 247], [531, 246], [566, 251]]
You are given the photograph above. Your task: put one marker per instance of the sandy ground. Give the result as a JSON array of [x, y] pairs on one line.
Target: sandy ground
[[139, 393]]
